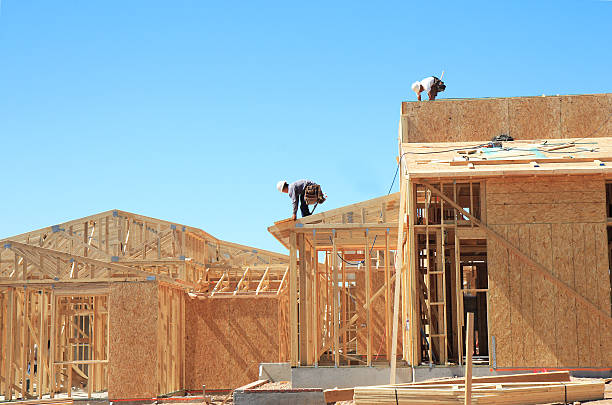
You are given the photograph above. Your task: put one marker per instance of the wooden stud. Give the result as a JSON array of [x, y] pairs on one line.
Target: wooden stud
[[293, 298], [335, 317], [368, 279], [398, 272], [469, 347], [388, 309]]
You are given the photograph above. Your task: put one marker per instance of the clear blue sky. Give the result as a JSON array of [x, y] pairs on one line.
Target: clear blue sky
[[191, 111]]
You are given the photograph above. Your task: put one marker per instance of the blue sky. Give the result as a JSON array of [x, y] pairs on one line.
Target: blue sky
[[191, 111]]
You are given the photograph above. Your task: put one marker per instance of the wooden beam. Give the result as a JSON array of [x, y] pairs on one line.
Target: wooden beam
[[336, 335], [539, 268], [293, 312], [469, 346], [368, 282], [398, 271]]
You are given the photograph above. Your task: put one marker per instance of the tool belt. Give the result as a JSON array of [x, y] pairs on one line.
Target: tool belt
[[438, 85], [313, 194]]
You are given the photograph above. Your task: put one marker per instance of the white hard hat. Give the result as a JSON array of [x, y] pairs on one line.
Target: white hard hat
[[280, 185], [416, 86]]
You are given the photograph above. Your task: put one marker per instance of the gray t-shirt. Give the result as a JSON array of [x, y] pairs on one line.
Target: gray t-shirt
[[296, 189]]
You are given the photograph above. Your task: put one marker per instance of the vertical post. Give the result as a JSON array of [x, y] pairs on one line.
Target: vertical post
[[293, 297], [303, 309], [469, 346], [8, 395], [24, 346], [344, 308], [53, 332], [398, 272], [315, 298], [368, 280], [42, 345], [428, 279], [412, 339], [387, 297], [335, 299]]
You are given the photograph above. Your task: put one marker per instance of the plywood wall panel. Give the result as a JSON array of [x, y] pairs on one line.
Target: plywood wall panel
[[567, 236], [499, 301], [563, 267], [544, 296], [584, 358], [582, 115], [603, 283], [550, 117], [527, 302], [565, 197], [132, 371], [516, 309], [483, 119], [544, 184], [227, 338], [577, 212], [589, 273], [441, 126], [535, 118]]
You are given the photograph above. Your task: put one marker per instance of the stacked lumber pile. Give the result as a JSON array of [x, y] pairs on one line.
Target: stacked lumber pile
[[50, 401], [505, 393]]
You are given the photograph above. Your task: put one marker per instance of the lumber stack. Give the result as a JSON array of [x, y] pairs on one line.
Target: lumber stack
[[504, 393], [50, 401]]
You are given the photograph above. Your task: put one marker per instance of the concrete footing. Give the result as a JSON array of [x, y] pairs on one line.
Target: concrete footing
[[345, 377], [275, 372], [279, 397]]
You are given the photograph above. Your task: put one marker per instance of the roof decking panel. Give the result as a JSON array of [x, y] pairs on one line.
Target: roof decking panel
[[529, 157]]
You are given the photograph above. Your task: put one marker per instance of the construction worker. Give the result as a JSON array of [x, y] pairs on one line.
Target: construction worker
[[297, 191], [432, 85]]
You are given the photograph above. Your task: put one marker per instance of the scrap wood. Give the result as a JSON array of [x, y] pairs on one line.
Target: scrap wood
[[338, 394]]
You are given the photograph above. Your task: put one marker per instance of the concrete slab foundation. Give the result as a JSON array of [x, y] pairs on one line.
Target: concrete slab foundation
[[280, 397], [423, 373], [275, 372], [345, 377]]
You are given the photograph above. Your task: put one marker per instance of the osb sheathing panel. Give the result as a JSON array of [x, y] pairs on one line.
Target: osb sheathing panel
[[132, 371], [521, 117], [536, 324], [534, 117], [582, 115], [227, 338]]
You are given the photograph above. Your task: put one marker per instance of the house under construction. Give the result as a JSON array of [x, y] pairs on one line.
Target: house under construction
[[517, 232]]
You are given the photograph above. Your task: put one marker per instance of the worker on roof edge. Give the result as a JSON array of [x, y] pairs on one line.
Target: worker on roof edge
[[302, 192], [432, 85]]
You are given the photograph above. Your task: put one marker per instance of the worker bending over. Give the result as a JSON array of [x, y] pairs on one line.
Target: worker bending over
[[303, 192], [432, 85]]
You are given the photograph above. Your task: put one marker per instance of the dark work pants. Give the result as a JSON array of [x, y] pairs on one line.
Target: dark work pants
[[303, 206]]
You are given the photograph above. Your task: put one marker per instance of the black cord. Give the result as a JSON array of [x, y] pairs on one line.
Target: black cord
[[359, 262], [597, 130], [429, 153]]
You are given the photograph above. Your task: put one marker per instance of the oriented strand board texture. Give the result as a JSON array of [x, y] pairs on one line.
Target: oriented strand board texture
[[227, 338], [560, 223], [548, 117], [132, 372]]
